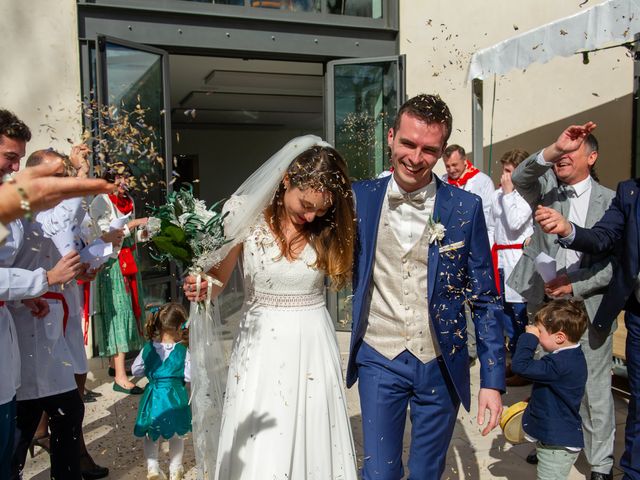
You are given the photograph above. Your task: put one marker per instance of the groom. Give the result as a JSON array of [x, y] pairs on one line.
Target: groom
[[411, 281]]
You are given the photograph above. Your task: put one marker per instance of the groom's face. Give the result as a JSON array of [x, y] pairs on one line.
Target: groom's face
[[415, 147]]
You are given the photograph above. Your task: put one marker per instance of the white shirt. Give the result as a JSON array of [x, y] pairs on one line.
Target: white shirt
[[578, 209], [46, 363], [513, 224], [481, 185], [163, 350], [406, 221]]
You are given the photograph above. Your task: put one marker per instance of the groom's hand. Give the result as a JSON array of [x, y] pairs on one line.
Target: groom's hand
[[488, 398]]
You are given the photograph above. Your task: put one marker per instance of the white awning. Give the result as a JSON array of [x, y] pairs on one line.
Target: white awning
[[610, 21]]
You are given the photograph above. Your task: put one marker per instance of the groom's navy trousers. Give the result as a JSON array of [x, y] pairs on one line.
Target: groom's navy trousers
[[386, 388]]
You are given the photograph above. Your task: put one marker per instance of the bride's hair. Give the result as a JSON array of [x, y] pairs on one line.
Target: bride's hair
[[332, 236]]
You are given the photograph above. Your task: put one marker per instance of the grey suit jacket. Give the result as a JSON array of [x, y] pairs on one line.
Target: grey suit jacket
[[538, 185]]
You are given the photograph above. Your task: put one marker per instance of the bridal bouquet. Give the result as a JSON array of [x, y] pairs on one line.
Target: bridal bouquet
[[185, 231]]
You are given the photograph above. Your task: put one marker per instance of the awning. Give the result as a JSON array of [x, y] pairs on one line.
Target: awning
[[610, 21]]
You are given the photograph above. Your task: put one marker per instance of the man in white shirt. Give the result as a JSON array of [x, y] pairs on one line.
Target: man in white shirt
[[462, 174], [563, 181]]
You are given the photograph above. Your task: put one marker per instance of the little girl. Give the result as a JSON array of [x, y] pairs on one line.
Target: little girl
[[164, 408]]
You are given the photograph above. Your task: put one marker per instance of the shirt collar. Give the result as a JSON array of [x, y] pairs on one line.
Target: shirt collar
[[582, 186], [575, 345], [430, 188]]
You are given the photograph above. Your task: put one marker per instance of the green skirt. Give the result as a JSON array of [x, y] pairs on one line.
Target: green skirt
[[116, 327]]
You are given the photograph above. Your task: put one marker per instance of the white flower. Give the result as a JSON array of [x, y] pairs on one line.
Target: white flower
[[435, 231], [153, 226]]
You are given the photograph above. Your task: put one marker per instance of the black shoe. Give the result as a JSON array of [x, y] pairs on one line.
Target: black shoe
[[89, 399], [90, 470], [91, 393], [602, 476], [112, 372], [532, 458]]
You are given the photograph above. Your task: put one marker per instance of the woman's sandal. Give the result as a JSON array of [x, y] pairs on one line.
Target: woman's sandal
[[44, 442]]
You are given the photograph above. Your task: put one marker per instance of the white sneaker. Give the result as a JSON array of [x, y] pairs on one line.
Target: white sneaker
[[177, 474], [155, 474]]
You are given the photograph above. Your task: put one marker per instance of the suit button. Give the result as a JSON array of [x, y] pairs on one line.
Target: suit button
[[406, 307], [408, 337], [404, 260], [406, 292]]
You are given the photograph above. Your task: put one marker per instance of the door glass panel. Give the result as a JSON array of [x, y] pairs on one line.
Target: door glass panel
[[133, 89], [363, 97], [365, 106]]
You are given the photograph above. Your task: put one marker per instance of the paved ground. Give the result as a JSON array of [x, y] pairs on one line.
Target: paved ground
[[109, 424]]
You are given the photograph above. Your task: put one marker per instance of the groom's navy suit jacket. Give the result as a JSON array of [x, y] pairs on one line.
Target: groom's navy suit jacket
[[459, 270], [618, 229]]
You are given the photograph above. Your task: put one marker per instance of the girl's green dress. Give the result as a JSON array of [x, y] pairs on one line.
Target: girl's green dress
[[116, 324], [164, 407]]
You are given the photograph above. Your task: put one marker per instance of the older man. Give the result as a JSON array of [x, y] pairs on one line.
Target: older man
[[560, 176]]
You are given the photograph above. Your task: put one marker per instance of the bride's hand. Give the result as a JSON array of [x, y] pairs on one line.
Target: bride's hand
[[190, 289]]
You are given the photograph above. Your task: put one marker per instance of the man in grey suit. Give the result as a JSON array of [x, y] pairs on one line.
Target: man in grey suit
[[560, 177]]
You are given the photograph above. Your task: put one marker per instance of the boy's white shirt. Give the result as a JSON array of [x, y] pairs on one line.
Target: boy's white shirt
[[512, 224]]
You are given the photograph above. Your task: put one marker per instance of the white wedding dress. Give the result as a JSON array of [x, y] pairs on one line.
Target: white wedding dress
[[285, 413]]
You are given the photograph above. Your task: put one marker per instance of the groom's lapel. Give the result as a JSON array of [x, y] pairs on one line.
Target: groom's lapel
[[442, 209], [373, 211]]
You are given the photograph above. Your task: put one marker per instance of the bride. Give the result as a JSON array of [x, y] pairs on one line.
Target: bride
[[285, 414]]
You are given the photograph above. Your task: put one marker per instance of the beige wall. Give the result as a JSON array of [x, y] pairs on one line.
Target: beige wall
[[533, 106], [40, 79]]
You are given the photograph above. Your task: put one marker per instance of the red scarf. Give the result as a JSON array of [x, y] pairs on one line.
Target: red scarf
[[123, 203], [127, 261], [470, 172]]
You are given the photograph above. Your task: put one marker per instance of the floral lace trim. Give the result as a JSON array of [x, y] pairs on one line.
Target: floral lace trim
[[286, 301]]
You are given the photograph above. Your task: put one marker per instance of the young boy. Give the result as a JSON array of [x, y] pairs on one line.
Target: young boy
[[513, 224], [552, 418]]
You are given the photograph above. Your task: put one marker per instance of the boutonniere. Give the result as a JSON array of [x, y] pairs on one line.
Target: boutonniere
[[435, 231]]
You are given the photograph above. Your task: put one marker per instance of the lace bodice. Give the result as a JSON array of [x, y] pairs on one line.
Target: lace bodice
[[274, 281]]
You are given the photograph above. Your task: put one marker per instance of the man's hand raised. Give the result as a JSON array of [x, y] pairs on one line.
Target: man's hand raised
[[569, 141]]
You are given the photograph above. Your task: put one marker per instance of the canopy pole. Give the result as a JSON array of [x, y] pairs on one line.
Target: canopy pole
[[477, 124]]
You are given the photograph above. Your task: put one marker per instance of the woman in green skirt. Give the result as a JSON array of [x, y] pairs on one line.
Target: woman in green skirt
[[117, 290]]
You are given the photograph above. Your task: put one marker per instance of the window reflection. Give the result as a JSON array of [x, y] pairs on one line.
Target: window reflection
[[290, 5], [356, 8]]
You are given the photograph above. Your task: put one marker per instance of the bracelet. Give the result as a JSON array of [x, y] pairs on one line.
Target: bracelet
[[25, 205]]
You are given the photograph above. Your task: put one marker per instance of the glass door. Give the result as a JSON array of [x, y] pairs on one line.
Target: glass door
[[362, 98], [133, 96]]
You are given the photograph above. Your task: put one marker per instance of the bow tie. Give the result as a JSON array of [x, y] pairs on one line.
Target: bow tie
[[416, 200], [567, 190]]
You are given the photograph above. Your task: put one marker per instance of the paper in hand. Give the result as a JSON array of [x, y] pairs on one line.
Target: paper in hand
[[546, 267], [67, 241], [96, 253]]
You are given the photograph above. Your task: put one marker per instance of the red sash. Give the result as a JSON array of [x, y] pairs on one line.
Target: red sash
[[65, 307], [470, 172], [1, 304], [86, 296], [494, 256]]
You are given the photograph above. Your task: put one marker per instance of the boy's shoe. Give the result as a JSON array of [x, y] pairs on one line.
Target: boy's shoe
[[177, 474], [601, 476], [155, 474]]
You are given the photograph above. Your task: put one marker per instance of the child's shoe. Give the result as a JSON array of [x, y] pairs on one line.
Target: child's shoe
[[154, 473], [177, 474]]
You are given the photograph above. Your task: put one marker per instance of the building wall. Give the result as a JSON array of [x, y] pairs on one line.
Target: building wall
[[531, 107], [40, 79]]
